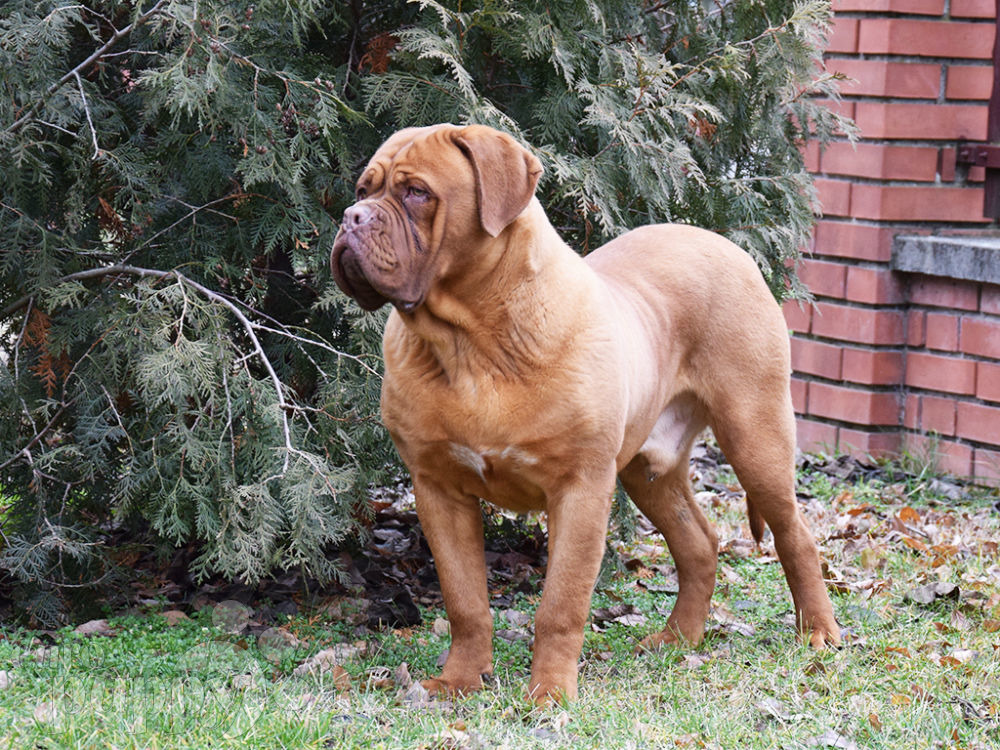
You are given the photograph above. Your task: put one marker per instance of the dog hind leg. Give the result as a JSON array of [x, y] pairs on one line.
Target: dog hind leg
[[668, 501], [758, 439]]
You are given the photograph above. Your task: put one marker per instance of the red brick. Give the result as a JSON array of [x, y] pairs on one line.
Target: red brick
[[906, 203], [893, 79], [798, 315], [850, 240], [834, 196], [930, 121], [972, 9], [980, 336], [858, 324], [942, 455], [935, 292], [816, 436], [938, 415], [816, 358], [975, 422], [946, 164], [988, 381], [904, 36], [850, 405], [969, 82], [843, 36], [873, 367], [942, 332], [823, 278], [878, 162], [911, 412], [876, 286], [811, 155], [799, 394], [990, 300], [937, 373], [986, 466], [916, 328], [920, 7], [877, 444], [843, 107]]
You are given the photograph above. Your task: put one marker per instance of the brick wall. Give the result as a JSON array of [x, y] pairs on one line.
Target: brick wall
[[888, 361]]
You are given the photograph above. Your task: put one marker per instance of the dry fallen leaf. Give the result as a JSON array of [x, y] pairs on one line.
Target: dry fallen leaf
[[94, 627], [174, 616], [323, 661]]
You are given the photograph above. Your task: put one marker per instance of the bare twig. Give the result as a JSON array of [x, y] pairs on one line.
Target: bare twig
[[86, 111]]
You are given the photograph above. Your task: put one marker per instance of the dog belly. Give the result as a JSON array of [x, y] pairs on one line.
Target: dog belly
[[508, 477], [668, 442]]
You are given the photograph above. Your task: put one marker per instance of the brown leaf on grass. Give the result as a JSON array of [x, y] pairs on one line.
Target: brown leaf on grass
[[991, 626], [875, 722], [321, 662], [174, 616], [914, 544], [931, 592], [94, 627], [908, 515], [623, 614], [341, 679]]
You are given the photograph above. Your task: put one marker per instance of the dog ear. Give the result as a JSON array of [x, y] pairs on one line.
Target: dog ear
[[506, 174]]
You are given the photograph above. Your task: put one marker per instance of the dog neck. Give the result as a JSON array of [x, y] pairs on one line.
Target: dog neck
[[500, 320]]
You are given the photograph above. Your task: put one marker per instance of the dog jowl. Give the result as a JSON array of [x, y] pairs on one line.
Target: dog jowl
[[519, 373]]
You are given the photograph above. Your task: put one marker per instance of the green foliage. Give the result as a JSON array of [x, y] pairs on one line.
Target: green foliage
[[178, 367], [640, 112]]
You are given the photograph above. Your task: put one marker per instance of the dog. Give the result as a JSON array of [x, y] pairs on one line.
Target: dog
[[519, 373]]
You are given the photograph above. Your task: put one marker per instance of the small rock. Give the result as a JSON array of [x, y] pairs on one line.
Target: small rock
[[45, 713], [4, 679], [402, 676], [416, 696], [441, 627]]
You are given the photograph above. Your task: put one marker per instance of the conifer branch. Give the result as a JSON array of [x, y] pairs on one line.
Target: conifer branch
[[75, 72]]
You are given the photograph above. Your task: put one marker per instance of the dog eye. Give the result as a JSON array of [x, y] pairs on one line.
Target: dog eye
[[418, 193]]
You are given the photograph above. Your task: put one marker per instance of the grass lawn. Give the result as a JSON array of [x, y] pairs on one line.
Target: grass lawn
[[914, 574]]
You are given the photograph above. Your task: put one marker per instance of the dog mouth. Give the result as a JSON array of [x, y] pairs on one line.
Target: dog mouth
[[350, 276]]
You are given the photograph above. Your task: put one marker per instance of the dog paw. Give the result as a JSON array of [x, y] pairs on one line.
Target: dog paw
[[453, 687], [545, 694], [666, 637], [823, 638]]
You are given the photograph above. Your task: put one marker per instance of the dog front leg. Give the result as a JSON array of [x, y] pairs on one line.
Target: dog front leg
[[577, 525], [453, 526]]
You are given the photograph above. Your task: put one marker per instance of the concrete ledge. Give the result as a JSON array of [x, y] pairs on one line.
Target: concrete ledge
[[969, 258]]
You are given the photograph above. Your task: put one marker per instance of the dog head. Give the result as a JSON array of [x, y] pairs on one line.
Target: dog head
[[427, 200]]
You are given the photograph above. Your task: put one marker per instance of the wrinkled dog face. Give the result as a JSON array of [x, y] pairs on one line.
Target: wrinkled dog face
[[389, 241], [427, 189]]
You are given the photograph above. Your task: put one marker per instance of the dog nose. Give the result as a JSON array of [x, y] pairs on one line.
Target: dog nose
[[357, 215]]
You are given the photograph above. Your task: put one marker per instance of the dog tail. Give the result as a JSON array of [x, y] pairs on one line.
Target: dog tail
[[756, 521]]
